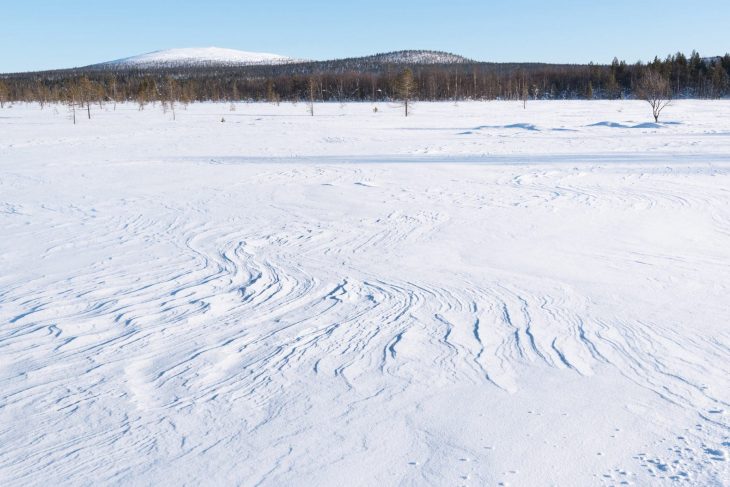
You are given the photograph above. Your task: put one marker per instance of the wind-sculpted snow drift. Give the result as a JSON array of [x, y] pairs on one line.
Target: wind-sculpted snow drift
[[359, 299]]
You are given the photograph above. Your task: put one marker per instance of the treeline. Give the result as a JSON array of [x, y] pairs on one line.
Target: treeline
[[346, 80]]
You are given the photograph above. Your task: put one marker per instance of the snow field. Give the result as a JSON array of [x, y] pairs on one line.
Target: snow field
[[476, 295]]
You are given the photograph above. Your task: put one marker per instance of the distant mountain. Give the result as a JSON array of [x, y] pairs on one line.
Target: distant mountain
[[196, 57], [216, 57], [377, 63], [416, 57]]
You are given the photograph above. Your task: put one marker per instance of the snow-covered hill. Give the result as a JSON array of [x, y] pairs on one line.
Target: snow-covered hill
[[216, 56], [419, 57], [200, 56]]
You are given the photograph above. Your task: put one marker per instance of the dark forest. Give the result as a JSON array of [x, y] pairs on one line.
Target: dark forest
[[367, 79]]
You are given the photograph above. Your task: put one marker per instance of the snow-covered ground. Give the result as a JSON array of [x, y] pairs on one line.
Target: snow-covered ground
[[476, 295]]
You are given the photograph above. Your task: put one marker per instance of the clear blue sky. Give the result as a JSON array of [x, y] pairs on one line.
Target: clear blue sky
[[43, 34]]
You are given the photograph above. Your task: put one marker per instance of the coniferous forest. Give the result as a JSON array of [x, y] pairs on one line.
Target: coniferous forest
[[367, 79]]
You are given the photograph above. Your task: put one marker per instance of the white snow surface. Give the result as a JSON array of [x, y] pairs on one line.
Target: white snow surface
[[200, 56], [475, 295]]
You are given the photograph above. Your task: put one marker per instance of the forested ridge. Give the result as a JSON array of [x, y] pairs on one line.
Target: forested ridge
[[373, 78]]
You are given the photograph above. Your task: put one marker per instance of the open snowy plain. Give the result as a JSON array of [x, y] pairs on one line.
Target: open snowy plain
[[475, 295]]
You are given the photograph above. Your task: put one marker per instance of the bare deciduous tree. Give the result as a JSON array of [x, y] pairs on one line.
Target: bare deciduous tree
[[172, 93], [113, 90], [73, 94], [86, 91], [654, 88], [271, 95], [146, 91], [234, 96], [406, 88], [311, 93]]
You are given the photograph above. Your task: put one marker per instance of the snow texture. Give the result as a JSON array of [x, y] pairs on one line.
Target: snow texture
[[475, 295]]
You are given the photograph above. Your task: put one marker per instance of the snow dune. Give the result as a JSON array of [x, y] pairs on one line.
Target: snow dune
[[363, 299]]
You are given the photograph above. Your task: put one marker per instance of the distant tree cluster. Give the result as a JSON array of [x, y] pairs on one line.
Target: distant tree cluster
[[346, 80]]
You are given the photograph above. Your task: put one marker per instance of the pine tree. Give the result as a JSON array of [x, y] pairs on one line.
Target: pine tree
[[405, 88], [719, 79], [4, 92]]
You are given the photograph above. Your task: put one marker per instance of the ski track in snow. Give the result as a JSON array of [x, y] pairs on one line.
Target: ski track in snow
[[175, 321]]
